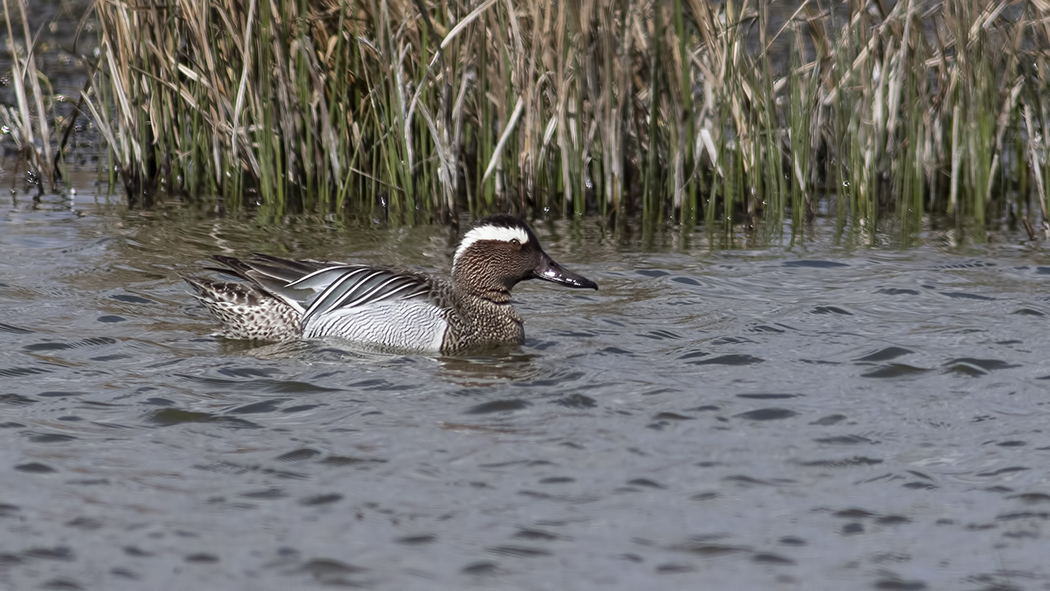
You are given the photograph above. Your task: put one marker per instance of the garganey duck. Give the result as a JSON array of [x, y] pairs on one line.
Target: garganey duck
[[283, 300]]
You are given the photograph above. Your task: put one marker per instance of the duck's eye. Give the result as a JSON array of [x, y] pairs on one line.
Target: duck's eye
[[515, 243]]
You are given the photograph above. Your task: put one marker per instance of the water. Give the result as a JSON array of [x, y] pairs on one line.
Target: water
[[814, 417]]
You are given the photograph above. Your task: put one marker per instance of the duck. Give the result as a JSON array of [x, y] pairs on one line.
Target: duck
[[279, 299]]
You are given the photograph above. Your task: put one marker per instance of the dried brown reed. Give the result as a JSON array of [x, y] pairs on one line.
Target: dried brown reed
[[682, 111], [19, 121]]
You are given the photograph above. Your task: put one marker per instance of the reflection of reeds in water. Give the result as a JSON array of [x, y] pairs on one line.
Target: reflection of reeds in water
[[678, 110]]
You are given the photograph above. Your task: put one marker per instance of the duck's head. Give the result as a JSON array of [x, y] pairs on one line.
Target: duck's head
[[501, 250]]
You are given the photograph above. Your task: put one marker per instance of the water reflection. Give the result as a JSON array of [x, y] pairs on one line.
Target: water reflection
[[479, 371], [759, 418]]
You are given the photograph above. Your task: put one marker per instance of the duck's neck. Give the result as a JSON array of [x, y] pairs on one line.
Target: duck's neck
[[493, 291]]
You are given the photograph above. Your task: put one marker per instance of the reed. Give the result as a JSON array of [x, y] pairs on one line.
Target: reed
[[682, 112], [28, 121]]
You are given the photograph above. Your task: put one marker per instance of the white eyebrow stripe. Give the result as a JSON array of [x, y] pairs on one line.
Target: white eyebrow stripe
[[489, 233]]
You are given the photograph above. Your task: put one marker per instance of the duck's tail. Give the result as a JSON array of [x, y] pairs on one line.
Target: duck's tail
[[245, 311]]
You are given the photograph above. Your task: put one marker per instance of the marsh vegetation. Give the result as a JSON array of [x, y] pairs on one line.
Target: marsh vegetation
[[684, 111]]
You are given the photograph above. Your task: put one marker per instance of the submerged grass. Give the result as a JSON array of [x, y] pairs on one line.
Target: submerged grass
[[686, 111]]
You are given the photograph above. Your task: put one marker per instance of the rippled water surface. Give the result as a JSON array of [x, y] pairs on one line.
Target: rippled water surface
[[789, 417]]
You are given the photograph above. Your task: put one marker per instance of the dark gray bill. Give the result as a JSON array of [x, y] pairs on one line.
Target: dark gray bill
[[548, 270]]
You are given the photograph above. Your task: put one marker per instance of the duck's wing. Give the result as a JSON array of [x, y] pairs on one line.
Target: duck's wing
[[354, 286], [284, 269], [272, 275], [315, 287]]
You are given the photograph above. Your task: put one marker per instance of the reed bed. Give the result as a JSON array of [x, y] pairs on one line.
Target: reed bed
[[21, 128], [684, 111]]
